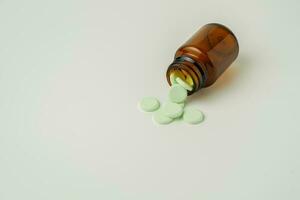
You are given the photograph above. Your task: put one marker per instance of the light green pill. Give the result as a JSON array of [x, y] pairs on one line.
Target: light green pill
[[177, 94], [173, 79], [193, 116], [159, 117], [172, 110], [181, 104], [183, 84], [149, 104]]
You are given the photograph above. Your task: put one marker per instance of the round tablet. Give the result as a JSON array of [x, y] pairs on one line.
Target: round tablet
[[177, 94], [149, 104], [160, 118], [182, 104], [193, 116], [172, 110], [184, 84]]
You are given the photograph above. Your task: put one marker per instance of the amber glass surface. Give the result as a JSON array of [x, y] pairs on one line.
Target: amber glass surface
[[212, 49]]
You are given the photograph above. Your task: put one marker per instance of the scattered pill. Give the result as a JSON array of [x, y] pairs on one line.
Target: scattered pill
[[177, 94], [181, 104], [149, 104], [193, 116], [172, 110], [159, 117]]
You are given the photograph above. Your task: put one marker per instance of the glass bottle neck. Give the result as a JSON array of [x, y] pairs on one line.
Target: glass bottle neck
[[189, 71]]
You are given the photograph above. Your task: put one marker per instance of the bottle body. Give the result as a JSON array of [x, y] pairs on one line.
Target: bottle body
[[205, 56]]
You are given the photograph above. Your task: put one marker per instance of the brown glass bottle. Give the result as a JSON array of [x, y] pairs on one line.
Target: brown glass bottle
[[205, 56]]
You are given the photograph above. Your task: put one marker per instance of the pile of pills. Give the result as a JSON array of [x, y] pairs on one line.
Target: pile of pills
[[174, 108]]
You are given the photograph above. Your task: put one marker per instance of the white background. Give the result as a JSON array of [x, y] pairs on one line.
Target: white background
[[72, 72]]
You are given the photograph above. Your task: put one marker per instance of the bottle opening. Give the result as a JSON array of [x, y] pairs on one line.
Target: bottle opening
[[187, 74], [181, 77]]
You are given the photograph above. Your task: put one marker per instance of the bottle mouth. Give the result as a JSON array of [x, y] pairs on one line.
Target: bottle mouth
[[181, 77], [186, 73]]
